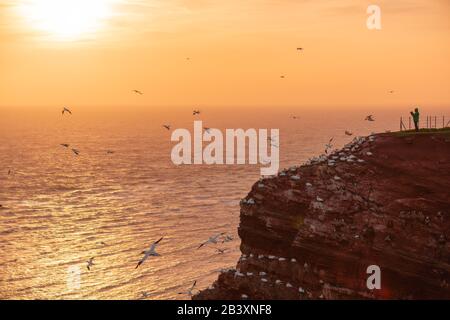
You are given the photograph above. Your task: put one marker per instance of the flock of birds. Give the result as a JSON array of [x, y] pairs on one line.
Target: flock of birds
[[151, 252]]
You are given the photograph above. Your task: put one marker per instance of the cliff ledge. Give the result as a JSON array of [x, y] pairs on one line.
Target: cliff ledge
[[312, 231]]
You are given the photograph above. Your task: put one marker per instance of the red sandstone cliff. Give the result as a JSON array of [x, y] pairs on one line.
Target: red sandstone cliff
[[312, 231]]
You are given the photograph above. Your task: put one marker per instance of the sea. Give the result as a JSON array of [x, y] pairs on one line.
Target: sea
[[122, 192]]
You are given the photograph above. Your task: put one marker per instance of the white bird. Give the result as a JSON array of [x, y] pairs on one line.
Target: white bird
[[66, 110], [329, 145], [274, 141], [145, 294], [150, 252], [212, 239], [90, 263], [189, 291], [369, 118]]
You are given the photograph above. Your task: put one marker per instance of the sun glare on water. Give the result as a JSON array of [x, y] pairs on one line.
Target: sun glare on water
[[66, 20]]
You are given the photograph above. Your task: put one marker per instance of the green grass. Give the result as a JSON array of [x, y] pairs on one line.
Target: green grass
[[445, 131]]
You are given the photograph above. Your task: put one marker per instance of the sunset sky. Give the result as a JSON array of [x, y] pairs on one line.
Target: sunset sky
[[89, 53]]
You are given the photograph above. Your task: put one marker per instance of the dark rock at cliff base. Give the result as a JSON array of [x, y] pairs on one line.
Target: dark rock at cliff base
[[312, 231]]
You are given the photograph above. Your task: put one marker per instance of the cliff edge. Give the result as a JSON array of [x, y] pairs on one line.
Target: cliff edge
[[312, 231]]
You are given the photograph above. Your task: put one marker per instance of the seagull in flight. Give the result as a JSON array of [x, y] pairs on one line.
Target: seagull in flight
[[76, 152], [299, 49], [348, 133], [195, 112], [65, 145], [149, 252], [272, 143], [138, 92], [189, 292], [66, 110], [227, 238], [90, 263], [329, 145], [369, 118], [282, 77], [167, 126], [212, 239], [145, 294]]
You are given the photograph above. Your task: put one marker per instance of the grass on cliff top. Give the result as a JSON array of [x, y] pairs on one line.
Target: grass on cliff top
[[445, 131]]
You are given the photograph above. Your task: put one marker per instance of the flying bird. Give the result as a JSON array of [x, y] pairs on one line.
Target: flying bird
[[189, 292], [212, 239], [138, 92], [90, 263], [282, 77], [329, 145], [150, 252], [299, 49], [110, 152], [167, 126], [195, 112], [348, 133], [391, 91], [369, 118], [65, 145], [66, 110], [271, 141], [294, 117], [227, 238], [221, 251], [76, 152]]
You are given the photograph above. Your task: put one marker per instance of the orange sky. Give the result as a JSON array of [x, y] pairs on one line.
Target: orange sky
[[238, 50]]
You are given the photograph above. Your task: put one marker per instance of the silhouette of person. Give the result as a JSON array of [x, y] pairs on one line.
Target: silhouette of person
[[416, 117]]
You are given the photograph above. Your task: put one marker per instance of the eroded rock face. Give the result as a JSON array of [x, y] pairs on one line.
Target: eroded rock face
[[312, 231]]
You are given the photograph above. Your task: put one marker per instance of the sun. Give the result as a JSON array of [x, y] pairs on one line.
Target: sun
[[66, 20]]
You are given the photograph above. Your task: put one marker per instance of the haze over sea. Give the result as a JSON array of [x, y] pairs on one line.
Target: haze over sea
[[59, 209]]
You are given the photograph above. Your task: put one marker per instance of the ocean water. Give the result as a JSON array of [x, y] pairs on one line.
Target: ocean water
[[59, 209]]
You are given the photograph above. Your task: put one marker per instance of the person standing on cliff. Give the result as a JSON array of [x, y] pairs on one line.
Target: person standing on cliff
[[416, 117]]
